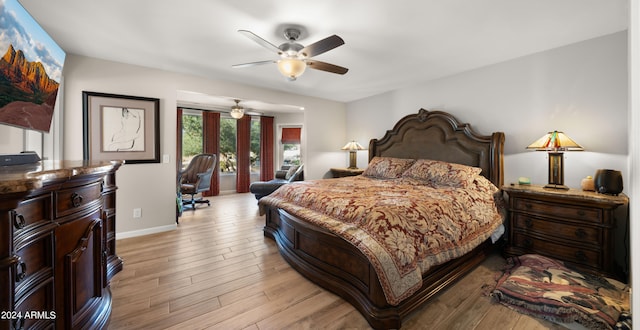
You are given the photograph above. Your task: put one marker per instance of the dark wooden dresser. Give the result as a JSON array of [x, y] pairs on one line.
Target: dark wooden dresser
[[575, 226], [57, 244]]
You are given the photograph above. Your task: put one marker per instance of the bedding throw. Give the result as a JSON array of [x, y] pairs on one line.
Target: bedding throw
[[402, 225]]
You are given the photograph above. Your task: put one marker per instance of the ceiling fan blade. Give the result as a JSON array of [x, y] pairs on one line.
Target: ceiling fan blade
[[322, 46], [244, 65], [324, 66], [261, 41]]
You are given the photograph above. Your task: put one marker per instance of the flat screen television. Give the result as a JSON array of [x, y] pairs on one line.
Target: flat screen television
[[30, 69]]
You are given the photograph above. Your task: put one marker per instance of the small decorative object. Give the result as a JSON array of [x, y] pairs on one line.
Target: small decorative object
[[587, 184], [608, 181], [555, 143], [524, 180]]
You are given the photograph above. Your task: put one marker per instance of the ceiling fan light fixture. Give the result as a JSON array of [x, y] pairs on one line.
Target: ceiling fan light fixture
[[294, 57], [291, 68], [237, 111]]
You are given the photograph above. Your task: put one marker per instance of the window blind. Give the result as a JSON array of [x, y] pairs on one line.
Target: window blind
[[291, 135]]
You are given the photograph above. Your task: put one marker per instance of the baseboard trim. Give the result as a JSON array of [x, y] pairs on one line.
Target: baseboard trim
[[146, 231]]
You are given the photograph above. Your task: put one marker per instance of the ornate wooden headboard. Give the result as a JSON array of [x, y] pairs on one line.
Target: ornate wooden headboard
[[438, 135]]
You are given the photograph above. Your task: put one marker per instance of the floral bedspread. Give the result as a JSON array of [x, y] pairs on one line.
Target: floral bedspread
[[403, 226]]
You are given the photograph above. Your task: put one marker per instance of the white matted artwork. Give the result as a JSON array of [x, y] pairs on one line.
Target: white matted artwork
[[122, 129]]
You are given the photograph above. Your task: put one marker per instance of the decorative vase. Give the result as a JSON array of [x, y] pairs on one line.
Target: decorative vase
[[608, 182], [587, 184]]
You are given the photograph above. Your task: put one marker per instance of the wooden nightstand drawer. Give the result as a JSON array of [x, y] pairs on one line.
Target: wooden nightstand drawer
[[570, 253], [555, 210], [582, 234]]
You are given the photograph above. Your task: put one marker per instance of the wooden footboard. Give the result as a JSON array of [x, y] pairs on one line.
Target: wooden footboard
[[339, 267]]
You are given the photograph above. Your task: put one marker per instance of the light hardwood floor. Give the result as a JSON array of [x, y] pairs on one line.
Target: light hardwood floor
[[218, 271]]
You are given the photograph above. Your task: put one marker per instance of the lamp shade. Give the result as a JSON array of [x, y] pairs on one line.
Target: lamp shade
[[352, 146], [557, 141], [291, 68]]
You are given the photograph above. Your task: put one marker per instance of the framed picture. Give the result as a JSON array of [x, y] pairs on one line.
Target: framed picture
[[121, 127]]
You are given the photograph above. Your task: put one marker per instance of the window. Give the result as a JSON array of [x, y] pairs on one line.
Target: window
[[228, 148], [192, 141], [255, 145], [290, 145]]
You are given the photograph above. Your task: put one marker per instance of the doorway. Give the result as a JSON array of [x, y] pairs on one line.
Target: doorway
[[194, 136]]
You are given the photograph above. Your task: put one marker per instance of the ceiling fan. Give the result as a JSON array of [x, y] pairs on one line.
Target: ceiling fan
[[294, 57]]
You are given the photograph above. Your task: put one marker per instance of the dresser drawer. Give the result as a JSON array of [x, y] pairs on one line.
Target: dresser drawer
[[593, 215], [570, 253], [75, 199], [39, 300], [563, 231], [31, 213], [35, 264]]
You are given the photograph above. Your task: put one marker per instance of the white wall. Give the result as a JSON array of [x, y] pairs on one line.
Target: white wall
[[152, 186], [580, 89], [11, 139]]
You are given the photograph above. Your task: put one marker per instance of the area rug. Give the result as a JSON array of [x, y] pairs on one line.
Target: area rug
[[547, 288]]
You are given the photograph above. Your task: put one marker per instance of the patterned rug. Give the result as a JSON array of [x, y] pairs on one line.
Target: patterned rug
[[546, 288]]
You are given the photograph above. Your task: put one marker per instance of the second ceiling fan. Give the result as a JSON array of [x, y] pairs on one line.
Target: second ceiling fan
[[294, 57]]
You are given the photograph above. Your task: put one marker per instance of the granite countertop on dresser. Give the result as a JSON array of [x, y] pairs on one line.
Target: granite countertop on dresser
[[23, 178], [571, 193]]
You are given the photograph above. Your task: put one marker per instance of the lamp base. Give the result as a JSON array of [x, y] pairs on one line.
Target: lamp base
[[352, 160], [556, 186]]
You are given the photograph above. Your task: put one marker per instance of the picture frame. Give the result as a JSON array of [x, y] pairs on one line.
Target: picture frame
[[121, 127]]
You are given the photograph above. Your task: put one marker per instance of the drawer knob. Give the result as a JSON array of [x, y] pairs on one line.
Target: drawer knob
[[21, 271], [581, 256], [527, 243], [528, 223], [76, 199], [18, 221], [582, 213], [581, 233], [528, 206]]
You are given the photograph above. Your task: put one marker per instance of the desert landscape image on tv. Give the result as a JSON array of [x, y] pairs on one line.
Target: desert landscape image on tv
[[30, 70]]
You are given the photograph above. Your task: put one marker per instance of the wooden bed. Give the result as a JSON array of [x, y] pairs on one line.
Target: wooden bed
[[338, 266]]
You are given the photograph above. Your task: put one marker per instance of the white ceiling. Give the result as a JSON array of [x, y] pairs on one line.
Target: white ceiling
[[388, 44]]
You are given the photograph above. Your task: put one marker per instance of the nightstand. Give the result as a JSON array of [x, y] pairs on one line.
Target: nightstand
[[342, 172], [579, 227]]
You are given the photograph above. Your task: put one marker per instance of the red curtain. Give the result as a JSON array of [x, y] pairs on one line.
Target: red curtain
[[243, 149], [291, 135], [179, 141], [266, 148], [211, 132]]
